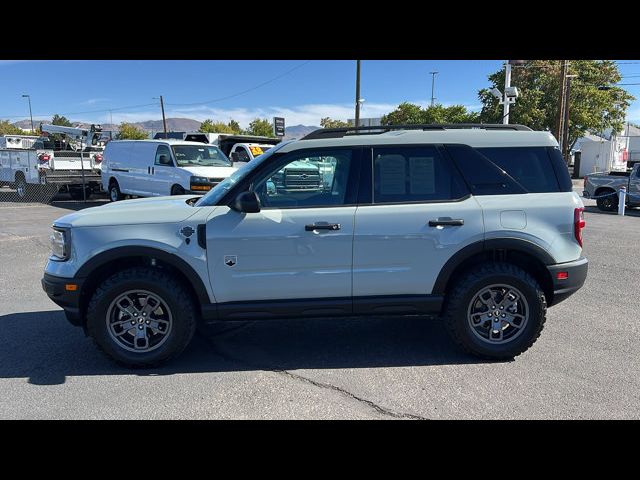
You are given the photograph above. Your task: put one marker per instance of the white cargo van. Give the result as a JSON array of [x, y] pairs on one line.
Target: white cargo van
[[149, 168]]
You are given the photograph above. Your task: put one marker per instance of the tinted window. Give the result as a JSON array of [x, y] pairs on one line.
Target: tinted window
[[531, 167], [483, 176], [310, 179], [414, 174]]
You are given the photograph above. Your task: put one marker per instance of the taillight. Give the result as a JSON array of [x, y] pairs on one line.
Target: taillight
[[578, 224], [97, 158], [43, 158]]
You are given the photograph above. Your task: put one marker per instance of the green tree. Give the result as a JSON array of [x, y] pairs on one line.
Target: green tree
[[235, 126], [262, 127], [128, 131], [328, 122], [7, 128], [409, 113], [210, 126], [61, 120], [590, 109]]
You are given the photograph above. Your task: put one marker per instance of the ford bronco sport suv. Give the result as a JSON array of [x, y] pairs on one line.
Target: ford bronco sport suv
[[475, 223]]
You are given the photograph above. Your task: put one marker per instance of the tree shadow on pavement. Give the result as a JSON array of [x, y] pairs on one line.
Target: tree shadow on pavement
[[44, 348]]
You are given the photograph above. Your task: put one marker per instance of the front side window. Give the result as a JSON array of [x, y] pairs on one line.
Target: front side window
[[311, 179], [242, 155], [163, 156], [414, 174], [200, 156]]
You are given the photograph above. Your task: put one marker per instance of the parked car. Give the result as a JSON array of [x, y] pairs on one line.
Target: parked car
[[604, 188], [477, 224], [147, 168]]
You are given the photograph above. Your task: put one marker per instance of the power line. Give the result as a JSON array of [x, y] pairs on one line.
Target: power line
[[243, 91]]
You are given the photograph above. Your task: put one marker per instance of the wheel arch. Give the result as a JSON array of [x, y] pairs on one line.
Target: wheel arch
[[522, 253], [105, 264]]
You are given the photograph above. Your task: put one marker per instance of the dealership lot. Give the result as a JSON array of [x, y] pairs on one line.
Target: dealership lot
[[585, 364]]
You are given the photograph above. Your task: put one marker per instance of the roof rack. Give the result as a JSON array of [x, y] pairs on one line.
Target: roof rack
[[376, 130]]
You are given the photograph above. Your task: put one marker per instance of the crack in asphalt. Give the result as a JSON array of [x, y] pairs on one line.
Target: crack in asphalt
[[326, 386]]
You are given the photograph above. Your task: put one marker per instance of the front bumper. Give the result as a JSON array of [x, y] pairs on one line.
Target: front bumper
[[576, 274], [57, 290]]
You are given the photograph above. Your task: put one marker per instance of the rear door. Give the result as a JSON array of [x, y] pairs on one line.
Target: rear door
[[419, 214]]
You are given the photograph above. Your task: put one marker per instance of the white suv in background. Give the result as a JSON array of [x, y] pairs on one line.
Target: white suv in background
[[477, 224], [147, 168]]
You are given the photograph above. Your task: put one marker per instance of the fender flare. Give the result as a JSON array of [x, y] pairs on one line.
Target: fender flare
[[138, 251], [462, 255]]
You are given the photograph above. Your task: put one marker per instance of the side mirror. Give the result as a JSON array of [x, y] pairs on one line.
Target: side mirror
[[164, 160], [246, 202], [235, 157]]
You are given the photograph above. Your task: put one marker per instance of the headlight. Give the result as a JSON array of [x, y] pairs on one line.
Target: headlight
[[60, 243], [199, 180]]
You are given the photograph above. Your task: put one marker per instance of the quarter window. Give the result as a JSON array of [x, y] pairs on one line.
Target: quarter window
[[414, 174]]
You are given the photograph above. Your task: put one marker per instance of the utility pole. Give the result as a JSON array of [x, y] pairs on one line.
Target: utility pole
[[164, 120], [357, 93], [507, 84], [561, 101], [111, 129], [30, 114], [565, 138], [433, 82]]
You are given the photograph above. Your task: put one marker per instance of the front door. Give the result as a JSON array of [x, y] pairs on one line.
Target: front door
[[299, 246], [420, 214], [162, 172]]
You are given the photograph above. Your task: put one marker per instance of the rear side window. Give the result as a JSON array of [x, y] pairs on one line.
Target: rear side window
[[483, 176], [531, 167], [414, 174]]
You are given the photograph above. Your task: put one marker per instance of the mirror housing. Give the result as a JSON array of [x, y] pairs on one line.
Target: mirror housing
[[246, 202], [235, 157], [164, 160]]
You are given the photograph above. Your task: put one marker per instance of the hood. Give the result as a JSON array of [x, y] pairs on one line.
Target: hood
[[132, 212], [211, 172]]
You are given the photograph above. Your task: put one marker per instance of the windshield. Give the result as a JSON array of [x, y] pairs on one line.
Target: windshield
[[200, 156], [220, 190], [259, 149]]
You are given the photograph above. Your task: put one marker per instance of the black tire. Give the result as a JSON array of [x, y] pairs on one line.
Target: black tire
[[608, 203], [177, 190], [161, 284], [114, 192], [463, 293], [76, 193]]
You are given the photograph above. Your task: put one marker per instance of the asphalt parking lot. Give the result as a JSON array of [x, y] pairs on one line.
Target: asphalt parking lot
[[585, 364]]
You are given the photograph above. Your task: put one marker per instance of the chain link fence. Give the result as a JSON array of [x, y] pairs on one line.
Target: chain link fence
[[27, 177]]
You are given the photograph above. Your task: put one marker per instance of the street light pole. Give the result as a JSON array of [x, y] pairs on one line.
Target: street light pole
[[357, 93], [30, 114], [433, 83], [507, 84]]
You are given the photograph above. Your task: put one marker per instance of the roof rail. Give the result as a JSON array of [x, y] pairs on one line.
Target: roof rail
[[376, 130]]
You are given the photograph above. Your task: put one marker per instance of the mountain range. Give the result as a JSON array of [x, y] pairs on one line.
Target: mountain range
[[176, 125]]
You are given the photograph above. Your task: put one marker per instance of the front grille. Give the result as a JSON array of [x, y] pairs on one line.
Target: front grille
[[302, 179]]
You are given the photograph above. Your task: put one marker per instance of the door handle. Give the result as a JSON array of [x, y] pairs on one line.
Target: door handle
[[322, 226], [451, 222]]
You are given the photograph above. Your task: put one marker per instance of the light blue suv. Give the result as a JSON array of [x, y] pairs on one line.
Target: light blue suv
[[477, 224]]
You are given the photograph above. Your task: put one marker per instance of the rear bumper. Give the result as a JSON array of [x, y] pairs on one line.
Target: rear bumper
[[55, 288], [576, 275]]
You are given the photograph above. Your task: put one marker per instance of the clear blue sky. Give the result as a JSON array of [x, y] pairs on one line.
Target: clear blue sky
[[305, 91]]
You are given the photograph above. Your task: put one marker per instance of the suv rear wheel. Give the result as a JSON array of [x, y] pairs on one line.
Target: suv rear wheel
[[141, 317], [496, 311]]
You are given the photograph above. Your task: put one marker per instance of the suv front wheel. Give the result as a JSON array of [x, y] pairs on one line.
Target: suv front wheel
[[496, 311], [141, 317]]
